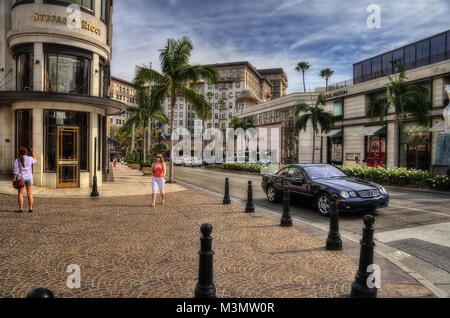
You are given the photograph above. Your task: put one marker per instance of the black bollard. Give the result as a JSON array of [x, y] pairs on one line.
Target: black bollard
[[334, 241], [226, 198], [249, 207], [205, 287], [94, 192], [286, 219], [360, 288], [41, 293]]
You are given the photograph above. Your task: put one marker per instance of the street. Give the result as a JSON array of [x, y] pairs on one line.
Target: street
[[416, 222]]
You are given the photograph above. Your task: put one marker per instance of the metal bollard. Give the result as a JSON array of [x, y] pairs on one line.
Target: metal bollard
[[94, 192], [360, 288], [205, 286], [286, 219], [334, 241], [41, 293], [226, 198], [250, 207]]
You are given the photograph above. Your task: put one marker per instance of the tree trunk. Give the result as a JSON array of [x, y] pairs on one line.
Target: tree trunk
[[314, 146], [132, 138], [304, 86], [144, 144], [149, 134], [172, 114], [326, 84]]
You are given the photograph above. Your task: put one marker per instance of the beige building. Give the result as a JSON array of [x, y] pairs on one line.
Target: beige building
[[279, 81], [125, 92], [54, 82], [355, 136], [235, 78]]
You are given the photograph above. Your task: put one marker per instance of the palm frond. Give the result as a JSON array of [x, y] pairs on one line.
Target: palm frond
[[201, 106]]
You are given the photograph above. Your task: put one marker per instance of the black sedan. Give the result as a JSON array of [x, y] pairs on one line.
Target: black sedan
[[318, 183]]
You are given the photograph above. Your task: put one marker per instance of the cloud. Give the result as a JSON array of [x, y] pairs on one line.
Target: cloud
[[271, 33]]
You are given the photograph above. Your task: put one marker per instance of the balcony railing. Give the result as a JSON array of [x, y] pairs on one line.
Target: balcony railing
[[340, 85]]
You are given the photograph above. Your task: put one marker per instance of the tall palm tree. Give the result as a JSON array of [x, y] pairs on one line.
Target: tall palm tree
[[326, 74], [403, 99], [144, 115], [175, 79], [303, 66], [318, 117]]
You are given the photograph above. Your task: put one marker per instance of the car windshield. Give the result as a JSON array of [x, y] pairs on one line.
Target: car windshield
[[318, 172]]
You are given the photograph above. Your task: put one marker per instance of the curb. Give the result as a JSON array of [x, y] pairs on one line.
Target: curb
[[383, 250]]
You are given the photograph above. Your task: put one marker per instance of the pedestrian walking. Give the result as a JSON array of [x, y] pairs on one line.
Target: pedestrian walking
[[23, 177], [158, 181]]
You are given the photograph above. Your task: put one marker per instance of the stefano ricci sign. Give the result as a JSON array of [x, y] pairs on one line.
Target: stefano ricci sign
[[64, 20]]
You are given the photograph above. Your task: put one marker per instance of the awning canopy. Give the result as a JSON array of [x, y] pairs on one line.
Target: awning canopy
[[371, 131], [333, 133], [438, 127]]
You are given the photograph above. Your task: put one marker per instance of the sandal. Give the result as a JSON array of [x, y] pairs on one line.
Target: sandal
[[19, 211], [163, 203], [152, 205], [30, 211]]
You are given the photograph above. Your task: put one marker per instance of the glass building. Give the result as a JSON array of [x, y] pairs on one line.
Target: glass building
[[54, 88]]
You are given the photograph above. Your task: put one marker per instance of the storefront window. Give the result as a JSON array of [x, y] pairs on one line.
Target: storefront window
[[415, 145], [25, 65], [67, 74], [335, 150], [54, 118], [437, 53], [24, 129], [375, 152]]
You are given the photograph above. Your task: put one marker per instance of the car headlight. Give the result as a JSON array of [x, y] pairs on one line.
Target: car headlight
[[383, 190], [344, 194], [352, 194]]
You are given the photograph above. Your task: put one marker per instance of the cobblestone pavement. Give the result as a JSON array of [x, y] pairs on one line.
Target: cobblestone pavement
[[127, 249]]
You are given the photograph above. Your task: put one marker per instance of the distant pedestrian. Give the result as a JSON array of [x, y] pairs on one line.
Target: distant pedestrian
[[23, 177], [114, 162], [158, 181]]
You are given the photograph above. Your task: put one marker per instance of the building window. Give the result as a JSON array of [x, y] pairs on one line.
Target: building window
[[25, 65], [334, 150], [230, 85], [238, 84], [398, 60], [415, 146], [357, 73], [216, 96], [24, 129], [67, 74], [82, 3], [422, 53], [386, 61], [337, 109], [367, 70], [375, 150], [54, 118], [437, 49], [410, 57], [376, 67], [448, 45]]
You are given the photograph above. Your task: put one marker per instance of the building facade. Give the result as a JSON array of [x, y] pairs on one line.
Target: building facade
[[279, 81], [54, 83], [125, 92], [355, 136], [234, 78]]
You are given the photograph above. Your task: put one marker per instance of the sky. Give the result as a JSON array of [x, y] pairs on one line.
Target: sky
[[271, 33]]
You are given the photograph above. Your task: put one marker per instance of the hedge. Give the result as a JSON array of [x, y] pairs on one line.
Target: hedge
[[398, 176], [244, 167]]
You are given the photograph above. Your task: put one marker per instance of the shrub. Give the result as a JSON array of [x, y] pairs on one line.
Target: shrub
[[244, 167]]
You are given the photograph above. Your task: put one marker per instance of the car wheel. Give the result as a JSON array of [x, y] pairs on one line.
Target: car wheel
[[323, 204], [272, 195]]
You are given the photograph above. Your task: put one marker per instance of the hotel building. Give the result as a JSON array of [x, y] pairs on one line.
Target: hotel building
[[125, 92], [427, 63], [54, 88], [237, 80]]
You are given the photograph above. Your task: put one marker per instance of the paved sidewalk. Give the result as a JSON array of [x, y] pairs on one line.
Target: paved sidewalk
[[127, 249], [126, 182]]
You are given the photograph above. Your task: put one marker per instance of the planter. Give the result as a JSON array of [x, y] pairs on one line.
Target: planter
[[134, 165], [147, 171]]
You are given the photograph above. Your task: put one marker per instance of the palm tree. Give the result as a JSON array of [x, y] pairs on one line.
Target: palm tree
[[303, 66], [403, 99], [244, 123], [174, 80], [144, 115], [326, 73], [318, 117], [210, 95]]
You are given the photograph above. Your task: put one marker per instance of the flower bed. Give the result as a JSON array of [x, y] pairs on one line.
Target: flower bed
[[398, 176], [243, 167]]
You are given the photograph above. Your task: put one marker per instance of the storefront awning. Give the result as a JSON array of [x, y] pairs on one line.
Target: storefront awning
[[437, 127], [370, 131], [333, 133]]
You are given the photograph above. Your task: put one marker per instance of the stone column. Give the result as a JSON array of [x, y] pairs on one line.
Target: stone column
[[95, 75], [38, 70], [393, 140], [38, 145]]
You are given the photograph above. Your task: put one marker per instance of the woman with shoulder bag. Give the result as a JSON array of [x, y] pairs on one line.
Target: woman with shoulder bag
[[23, 177]]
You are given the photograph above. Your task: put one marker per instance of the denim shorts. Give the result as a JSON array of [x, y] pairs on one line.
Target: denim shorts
[[28, 182]]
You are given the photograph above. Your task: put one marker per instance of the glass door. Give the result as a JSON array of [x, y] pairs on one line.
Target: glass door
[[68, 157]]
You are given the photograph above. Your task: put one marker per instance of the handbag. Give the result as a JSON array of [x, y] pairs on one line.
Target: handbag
[[19, 183]]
